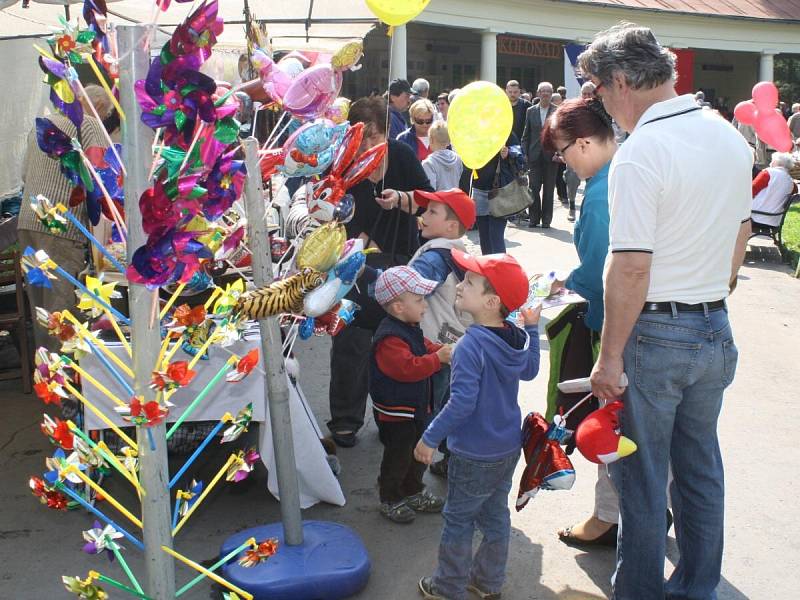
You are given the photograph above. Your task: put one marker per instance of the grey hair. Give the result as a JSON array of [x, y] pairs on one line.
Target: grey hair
[[588, 86], [632, 51], [421, 85], [544, 84], [796, 107], [783, 160]]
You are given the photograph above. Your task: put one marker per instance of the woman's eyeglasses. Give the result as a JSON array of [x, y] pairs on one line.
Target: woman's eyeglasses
[[423, 121], [560, 153]]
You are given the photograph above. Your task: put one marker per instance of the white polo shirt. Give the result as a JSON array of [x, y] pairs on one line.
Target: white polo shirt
[[679, 188]]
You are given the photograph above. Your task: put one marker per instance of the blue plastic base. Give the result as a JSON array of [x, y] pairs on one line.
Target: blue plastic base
[[332, 563]]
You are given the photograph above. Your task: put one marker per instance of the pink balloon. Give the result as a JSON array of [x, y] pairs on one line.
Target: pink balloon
[[774, 131], [745, 112], [313, 91], [765, 95]]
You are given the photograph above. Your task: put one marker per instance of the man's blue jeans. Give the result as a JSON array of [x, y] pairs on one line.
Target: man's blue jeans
[[477, 495], [678, 366]]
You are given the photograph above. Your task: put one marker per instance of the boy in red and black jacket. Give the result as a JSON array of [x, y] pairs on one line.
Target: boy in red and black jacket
[[401, 366]]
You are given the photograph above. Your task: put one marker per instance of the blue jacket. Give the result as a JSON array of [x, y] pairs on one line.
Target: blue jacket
[[591, 241], [482, 419], [409, 137], [397, 123]]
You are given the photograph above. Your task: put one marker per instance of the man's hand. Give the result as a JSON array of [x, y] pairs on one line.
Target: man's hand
[[606, 376], [423, 453], [504, 152], [388, 199], [445, 353], [530, 316]]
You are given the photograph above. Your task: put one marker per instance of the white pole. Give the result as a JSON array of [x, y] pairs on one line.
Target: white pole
[[272, 350], [137, 141]]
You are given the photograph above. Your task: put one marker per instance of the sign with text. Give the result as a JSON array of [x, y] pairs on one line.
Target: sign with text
[[530, 47]]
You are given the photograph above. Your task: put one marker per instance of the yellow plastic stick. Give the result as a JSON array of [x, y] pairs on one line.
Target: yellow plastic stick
[[168, 356], [101, 415], [205, 493], [196, 358], [118, 331], [97, 384], [171, 300], [102, 81], [88, 481], [162, 351], [207, 573], [130, 476], [83, 332], [214, 293]]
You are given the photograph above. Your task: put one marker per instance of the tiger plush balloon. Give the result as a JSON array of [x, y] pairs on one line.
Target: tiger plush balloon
[[284, 296]]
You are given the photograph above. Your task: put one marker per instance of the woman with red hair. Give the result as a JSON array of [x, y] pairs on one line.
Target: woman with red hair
[[580, 133]]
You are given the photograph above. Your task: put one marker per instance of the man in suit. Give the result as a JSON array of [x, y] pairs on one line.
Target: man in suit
[[542, 174]]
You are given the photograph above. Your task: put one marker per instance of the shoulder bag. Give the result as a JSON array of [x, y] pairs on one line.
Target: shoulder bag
[[510, 199]]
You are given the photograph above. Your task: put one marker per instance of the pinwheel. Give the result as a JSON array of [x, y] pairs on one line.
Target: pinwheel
[[104, 291], [147, 414], [161, 211], [55, 324], [58, 432], [110, 172], [239, 425], [48, 215], [186, 316], [258, 554], [100, 539], [189, 497], [224, 183], [130, 459], [57, 144], [63, 94], [230, 330], [58, 465], [243, 368], [84, 589], [91, 457], [48, 392], [177, 375], [173, 257], [49, 369], [198, 33], [229, 297], [47, 495], [36, 266], [94, 13], [242, 465]]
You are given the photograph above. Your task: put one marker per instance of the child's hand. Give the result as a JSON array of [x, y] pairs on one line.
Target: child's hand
[[530, 316], [423, 453], [444, 353]]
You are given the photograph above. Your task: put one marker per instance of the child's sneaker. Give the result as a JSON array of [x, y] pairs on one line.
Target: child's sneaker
[[473, 587], [398, 512], [426, 588], [424, 501]]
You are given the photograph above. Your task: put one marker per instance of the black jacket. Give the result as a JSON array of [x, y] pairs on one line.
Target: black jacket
[[532, 136]]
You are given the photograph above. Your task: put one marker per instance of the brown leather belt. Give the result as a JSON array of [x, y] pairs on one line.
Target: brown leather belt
[[667, 307]]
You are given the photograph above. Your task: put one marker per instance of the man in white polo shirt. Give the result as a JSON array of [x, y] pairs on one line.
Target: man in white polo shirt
[[679, 196]]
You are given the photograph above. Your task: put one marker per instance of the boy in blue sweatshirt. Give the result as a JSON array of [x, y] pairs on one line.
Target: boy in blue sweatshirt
[[482, 423]]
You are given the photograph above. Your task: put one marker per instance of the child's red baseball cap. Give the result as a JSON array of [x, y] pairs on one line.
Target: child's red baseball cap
[[461, 203], [503, 272]]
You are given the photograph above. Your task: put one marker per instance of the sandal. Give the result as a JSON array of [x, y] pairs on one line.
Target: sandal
[[609, 538]]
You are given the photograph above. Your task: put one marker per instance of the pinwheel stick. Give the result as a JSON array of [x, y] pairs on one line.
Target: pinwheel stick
[[107, 455], [203, 393], [213, 576], [123, 231], [104, 361], [101, 415], [88, 481], [203, 495], [102, 81], [214, 293], [118, 331], [90, 339], [202, 350], [164, 345], [84, 375], [118, 585], [249, 543], [226, 418], [94, 296], [115, 549], [85, 231], [111, 144], [171, 301], [98, 513]]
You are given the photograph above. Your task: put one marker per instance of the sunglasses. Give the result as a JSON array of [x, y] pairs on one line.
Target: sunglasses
[[560, 153], [423, 121]]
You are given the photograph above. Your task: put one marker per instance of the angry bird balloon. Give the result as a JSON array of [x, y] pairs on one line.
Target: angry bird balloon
[[598, 436]]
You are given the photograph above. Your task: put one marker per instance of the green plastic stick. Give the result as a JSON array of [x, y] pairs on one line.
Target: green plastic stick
[[122, 586], [213, 567], [209, 386], [124, 565]]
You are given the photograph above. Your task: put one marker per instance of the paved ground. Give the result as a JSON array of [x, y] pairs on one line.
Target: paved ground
[[757, 430]]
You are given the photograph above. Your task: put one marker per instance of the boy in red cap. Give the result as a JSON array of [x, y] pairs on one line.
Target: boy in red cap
[[482, 423], [401, 365], [448, 215]]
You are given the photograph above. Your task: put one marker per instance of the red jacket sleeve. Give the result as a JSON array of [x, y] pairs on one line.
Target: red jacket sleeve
[[760, 182], [431, 346], [396, 361]]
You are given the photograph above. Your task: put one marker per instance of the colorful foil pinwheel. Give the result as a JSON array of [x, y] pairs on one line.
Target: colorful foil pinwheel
[[239, 425], [229, 297], [148, 414], [36, 266], [244, 367], [177, 375], [58, 465], [58, 432], [47, 495], [56, 324], [63, 94], [57, 144], [104, 291], [85, 589], [100, 539], [261, 552], [47, 214], [189, 497], [242, 465]]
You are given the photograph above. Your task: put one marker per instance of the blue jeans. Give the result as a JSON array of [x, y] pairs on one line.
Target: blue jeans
[[678, 366], [491, 232], [477, 495]]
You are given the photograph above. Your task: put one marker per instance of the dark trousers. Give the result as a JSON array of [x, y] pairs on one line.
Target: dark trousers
[[491, 232], [401, 474], [561, 183], [349, 378], [542, 180]]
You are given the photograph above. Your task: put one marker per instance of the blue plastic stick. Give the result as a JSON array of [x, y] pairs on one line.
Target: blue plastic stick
[[195, 454], [175, 512], [122, 318], [109, 367], [75, 496], [95, 241]]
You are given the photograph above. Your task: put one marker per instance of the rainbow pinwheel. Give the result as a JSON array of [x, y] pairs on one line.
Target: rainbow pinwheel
[[57, 144], [239, 425]]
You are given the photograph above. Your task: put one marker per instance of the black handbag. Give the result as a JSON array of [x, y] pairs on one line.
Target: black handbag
[[510, 199]]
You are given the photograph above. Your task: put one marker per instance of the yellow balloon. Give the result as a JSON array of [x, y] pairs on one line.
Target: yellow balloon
[[321, 249], [396, 12], [479, 122]]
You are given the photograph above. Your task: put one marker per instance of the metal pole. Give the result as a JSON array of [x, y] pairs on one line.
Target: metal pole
[[137, 141], [272, 349]]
